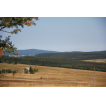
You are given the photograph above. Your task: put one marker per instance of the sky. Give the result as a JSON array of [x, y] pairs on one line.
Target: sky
[[62, 34]]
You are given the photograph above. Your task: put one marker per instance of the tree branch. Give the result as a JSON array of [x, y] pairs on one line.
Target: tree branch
[[2, 28], [5, 31]]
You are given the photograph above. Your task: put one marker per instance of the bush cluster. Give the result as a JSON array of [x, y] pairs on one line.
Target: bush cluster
[[3, 70], [32, 71], [7, 71], [35, 70]]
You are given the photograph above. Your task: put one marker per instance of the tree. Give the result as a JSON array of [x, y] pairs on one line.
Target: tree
[[13, 22], [31, 70]]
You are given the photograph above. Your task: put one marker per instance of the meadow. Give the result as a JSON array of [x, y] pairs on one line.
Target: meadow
[[96, 60], [50, 77]]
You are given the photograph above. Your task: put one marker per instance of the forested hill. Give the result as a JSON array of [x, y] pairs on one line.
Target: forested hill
[[33, 52], [75, 55]]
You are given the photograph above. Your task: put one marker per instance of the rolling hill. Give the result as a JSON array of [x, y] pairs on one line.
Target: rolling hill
[[28, 52], [33, 52]]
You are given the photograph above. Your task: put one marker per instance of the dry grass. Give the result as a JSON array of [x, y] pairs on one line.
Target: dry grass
[[97, 60], [51, 77]]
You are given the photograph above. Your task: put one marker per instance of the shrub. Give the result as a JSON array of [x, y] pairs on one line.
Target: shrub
[[6, 71], [0, 72], [35, 70], [32, 71], [9, 71], [3, 70]]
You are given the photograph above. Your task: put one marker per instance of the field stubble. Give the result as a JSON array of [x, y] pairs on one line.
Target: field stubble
[[97, 60], [50, 77]]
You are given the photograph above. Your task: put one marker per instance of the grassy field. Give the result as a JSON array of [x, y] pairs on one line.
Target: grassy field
[[50, 77], [97, 60]]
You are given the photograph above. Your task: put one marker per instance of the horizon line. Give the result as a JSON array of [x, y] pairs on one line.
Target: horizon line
[[63, 51]]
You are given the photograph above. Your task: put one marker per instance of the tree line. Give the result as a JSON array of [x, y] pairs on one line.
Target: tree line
[[55, 62], [75, 55]]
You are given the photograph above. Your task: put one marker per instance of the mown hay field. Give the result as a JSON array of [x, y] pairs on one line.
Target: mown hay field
[[50, 77], [97, 60]]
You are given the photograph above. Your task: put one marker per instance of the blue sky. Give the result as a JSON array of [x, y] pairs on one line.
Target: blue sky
[[62, 34]]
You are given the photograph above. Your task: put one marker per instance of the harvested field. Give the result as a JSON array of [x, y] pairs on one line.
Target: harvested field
[[97, 60], [50, 77]]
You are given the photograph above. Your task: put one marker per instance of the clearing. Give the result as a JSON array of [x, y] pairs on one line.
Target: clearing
[[96, 60]]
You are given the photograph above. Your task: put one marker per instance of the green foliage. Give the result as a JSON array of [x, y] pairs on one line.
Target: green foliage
[[31, 70], [6, 46], [1, 60], [8, 71], [10, 22], [3, 70], [13, 22], [75, 55], [8, 61], [35, 70], [56, 62]]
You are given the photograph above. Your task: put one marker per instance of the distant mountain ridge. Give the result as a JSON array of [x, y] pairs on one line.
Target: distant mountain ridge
[[74, 55], [33, 52], [28, 52]]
